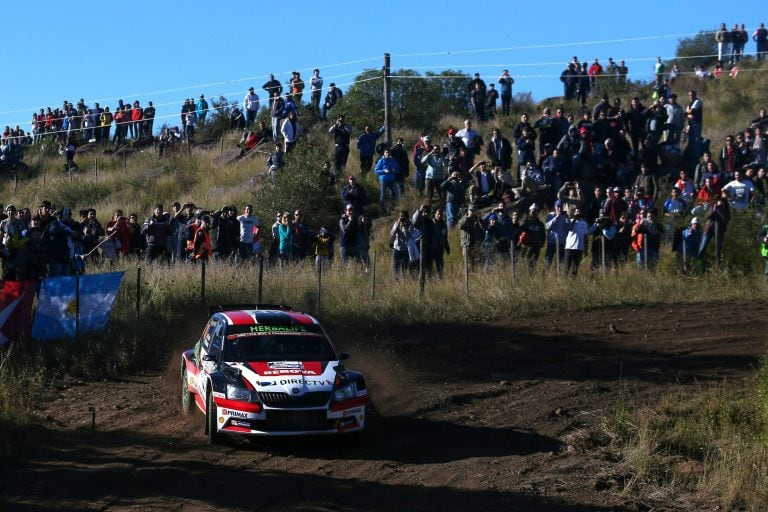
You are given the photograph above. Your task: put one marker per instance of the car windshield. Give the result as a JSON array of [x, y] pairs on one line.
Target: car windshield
[[249, 346]]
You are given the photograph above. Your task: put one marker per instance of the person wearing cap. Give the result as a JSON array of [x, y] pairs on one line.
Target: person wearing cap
[[472, 235], [646, 239], [686, 242], [474, 84], [226, 233], [506, 81], [349, 232], [290, 130], [575, 242], [366, 146], [271, 87], [534, 238], [342, 133], [251, 104], [353, 193], [453, 188], [615, 204], [557, 225], [331, 98], [603, 233], [62, 234], [323, 248]]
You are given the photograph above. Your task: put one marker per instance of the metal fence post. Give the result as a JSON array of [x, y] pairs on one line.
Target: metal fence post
[[261, 278], [319, 283], [202, 281], [138, 293], [373, 275], [465, 252], [602, 253], [557, 254], [422, 277]]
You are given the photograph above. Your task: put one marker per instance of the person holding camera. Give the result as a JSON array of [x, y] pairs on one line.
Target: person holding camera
[[575, 242], [472, 234], [342, 132], [454, 188], [399, 236]]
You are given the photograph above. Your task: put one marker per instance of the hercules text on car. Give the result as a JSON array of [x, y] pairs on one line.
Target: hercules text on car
[[270, 371]]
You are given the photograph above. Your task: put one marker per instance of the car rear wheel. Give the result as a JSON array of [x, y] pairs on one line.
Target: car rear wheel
[[186, 395], [210, 421]]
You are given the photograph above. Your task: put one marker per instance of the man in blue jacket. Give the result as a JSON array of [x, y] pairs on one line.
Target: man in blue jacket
[[387, 170]]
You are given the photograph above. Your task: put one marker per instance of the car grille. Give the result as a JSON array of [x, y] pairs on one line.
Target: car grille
[[286, 401], [287, 421]]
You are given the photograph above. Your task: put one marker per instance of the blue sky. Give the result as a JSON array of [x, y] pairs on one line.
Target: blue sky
[[168, 51]]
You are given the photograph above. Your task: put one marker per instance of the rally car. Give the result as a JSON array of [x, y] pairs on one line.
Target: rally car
[[265, 370]]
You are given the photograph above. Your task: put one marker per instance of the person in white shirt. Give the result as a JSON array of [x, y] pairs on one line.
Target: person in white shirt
[[249, 224], [251, 103], [575, 242], [739, 191]]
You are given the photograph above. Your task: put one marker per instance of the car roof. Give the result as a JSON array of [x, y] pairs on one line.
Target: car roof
[[266, 317]]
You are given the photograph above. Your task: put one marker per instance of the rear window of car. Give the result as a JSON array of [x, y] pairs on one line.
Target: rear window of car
[[284, 343]]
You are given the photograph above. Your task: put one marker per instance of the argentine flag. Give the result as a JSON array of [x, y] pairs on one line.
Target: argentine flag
[[57, 307]]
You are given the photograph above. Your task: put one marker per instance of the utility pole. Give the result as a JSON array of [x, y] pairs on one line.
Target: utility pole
[[387, 103]]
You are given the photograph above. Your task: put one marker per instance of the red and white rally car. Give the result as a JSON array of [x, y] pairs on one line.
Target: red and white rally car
[[267, 370]]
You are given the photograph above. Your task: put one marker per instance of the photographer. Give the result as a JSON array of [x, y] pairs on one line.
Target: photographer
[[454, 189], [399, 235], [342, 133], [571, 197], [603, 229]]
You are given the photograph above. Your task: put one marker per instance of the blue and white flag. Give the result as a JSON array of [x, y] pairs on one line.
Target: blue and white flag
[[57, 306]]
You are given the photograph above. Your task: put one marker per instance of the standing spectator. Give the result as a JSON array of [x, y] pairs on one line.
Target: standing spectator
[[399, 236], [353, 193], [695, 115], [119, 229], [149, 119], [275, 161], [718, 217], [646, 240], [724, 45], [249, 225], [535, 236], [499, 151], [403, 160], [156, 230], [342, 133], [422, 147], [276, 114], [61, 235], [227, 231], [490, 102], [454, 188], [348, 234], [575, 242], [595, 70], [763, 237], [584, 85], [251, 104], [570, 81], [760, 37], [472, 235], [316, 89], [236, 120], [189, 128], [364, 227], [323, 248], [106, 124], [477, 101], [436, 165], [387, 170], [658, 70], [366, 146], [333, 96], [506, 81], [740, 191], [291, 130], [271, 87], [296, 86], [738, 39], [688, 244], [675, 120], [202, 109], [286, 237]]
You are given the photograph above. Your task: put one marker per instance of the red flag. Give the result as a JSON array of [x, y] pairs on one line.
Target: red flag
[[15, 309]]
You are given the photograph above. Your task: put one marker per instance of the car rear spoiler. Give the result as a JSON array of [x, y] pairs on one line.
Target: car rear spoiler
[[234, 307]]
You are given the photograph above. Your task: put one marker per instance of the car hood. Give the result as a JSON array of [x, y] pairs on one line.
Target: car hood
[[291, 377]]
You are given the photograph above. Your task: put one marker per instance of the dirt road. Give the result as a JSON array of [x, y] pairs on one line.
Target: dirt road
[[501, 416]]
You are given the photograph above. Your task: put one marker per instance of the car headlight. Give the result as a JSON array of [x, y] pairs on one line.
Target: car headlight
[[240, 394], [345, 392]]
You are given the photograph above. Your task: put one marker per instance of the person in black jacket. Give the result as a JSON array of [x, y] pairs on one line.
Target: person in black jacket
[[156, 230]]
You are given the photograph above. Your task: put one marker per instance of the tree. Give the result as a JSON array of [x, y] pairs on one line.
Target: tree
[[699, 50], [418, 102]]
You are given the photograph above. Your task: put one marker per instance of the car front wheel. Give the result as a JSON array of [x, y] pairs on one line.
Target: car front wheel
[[210, 421], [186, 395]]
